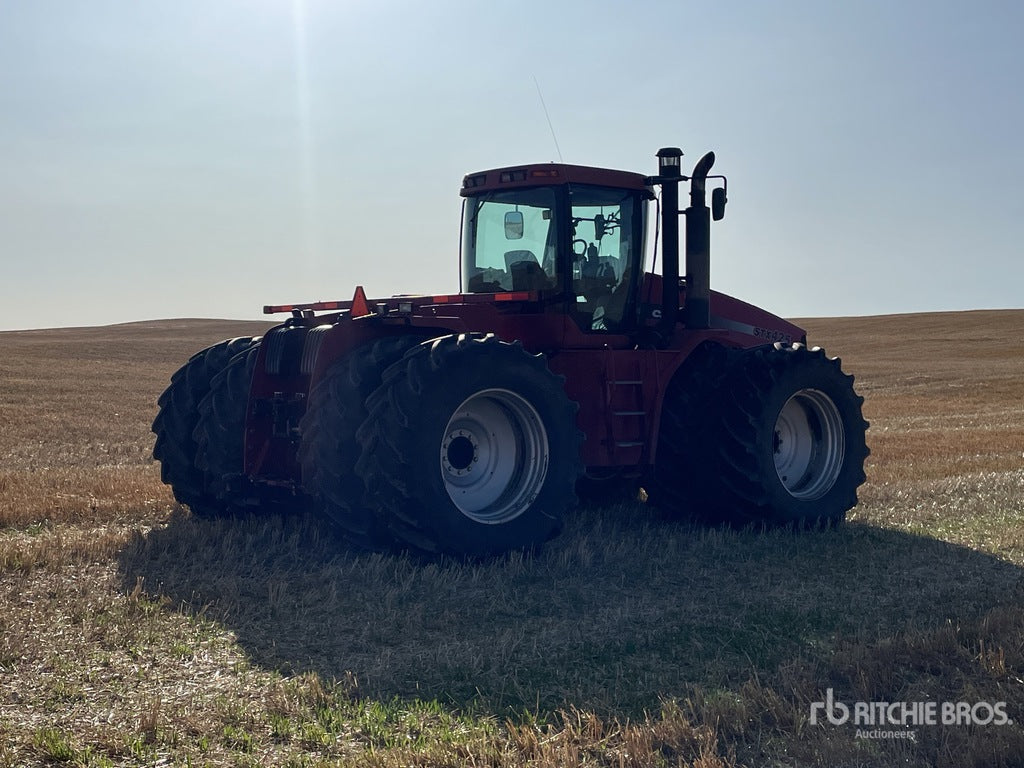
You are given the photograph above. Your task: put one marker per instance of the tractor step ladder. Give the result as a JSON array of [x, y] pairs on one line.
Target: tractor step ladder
[[627, 415]]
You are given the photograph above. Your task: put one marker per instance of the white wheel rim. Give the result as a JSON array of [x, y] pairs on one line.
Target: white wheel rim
[[494, 456], [809, 444]]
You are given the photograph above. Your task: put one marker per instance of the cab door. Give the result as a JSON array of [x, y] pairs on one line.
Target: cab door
[[606, 233]]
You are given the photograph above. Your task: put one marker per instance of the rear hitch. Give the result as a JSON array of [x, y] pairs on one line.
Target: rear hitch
[[285, 412]]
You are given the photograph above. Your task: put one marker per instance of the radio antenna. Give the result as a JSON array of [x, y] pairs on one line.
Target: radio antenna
[[545, 108]]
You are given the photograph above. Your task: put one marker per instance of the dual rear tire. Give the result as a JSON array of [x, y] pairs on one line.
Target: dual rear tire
[[190, 439], [462, 445], [329, 449], [468, 445], [768, 436]]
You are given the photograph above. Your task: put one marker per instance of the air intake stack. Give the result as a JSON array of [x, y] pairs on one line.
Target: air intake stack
[[669, 176]]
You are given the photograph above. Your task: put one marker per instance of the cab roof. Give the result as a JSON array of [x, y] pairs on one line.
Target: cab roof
[[549, 174]]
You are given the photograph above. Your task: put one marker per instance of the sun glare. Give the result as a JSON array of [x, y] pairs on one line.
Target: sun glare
[[305, 142]]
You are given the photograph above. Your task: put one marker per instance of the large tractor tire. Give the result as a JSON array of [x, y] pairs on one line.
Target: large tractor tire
[[470, 448], [329, 450], [682, 483], [220, 439], [781, 443], [178, 416]]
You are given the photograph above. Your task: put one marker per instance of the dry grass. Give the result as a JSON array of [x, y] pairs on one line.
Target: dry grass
[[134, 634]]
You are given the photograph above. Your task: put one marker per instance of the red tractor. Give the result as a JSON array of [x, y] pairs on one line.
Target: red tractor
[[468, 423]]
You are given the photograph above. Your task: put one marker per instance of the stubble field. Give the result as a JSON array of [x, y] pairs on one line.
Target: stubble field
[[133, 634]]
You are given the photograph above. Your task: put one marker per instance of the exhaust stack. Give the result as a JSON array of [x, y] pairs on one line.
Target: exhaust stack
[[698, 248]]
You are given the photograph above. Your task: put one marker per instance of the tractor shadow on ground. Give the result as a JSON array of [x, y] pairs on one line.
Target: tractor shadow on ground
[[619, 611]]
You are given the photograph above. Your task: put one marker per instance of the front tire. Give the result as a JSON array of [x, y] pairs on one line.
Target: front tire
[[470, 448], [769, 436], [684, 479], [794, 446]]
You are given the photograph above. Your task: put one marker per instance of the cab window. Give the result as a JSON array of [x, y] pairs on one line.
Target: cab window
[[510, 241]]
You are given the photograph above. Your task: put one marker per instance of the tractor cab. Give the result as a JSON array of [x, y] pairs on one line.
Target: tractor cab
[[573, 235]]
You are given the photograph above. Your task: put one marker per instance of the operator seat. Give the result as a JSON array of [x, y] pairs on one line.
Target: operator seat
[[526, 272], [512, 257]]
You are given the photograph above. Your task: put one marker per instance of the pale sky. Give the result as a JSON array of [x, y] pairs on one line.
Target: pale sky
[[202, 159]]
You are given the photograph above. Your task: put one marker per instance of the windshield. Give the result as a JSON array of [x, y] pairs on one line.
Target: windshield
[[509, 241]]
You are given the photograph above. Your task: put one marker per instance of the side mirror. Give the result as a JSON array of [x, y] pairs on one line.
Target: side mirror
[[513, 225], [718, 201]]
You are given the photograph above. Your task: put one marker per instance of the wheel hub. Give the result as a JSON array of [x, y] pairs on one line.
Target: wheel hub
[[460, 452], [494, 456], [809, 444]]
